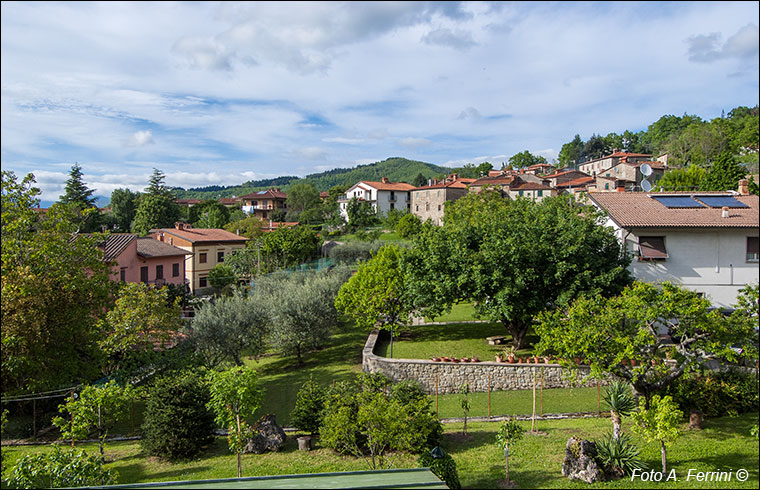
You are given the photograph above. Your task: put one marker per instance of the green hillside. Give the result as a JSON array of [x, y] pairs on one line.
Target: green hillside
[[396, 169]]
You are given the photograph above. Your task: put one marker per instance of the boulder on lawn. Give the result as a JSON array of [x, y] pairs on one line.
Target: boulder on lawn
[[266, 435], [580, 461]]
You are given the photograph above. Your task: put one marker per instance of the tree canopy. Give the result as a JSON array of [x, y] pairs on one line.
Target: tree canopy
[[156, 208], [647, 323], [514, 258]]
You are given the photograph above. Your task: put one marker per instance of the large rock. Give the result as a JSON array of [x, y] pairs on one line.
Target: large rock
[[580, 461], [266, 435]]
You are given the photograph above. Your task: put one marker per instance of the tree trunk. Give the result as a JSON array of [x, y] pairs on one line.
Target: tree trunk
[[506, 462], [664, 458], [615, 424], [239, 462], [518, 333]]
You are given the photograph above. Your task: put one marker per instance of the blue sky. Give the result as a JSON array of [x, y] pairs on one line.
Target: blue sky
[[221, 93]]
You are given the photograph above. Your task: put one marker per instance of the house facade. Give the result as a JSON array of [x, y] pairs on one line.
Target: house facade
[[207, 247], [627, 175], [706, 242], [383, 196], [262, 203], [143, 259], [598, 165], [428, 202]]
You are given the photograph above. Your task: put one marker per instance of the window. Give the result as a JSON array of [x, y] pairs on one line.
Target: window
[[439, 207], [123, 274], [175, 270], [202, 282], [652, 248], [202, 258], [427, 206], [144, 274], [393, 196], [520, 193], [393, 205], [540, 193], [159, 272], [753, 254], [607, 186], [416, 207], [220, 256]]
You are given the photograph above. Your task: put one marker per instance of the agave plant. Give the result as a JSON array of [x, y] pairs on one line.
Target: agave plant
[[619, 399], [619, 455]]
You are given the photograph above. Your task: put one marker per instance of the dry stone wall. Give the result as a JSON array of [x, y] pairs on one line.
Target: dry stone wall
[[448, 376]]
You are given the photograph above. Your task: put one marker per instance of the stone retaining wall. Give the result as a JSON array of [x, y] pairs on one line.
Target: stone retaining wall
[[450, 375]]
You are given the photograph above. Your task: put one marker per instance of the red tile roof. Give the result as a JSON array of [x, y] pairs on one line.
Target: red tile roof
[[564, 172], [389, 186], [150, 247], [529, 186], [580, 182], [640, 210], [195, 235], [457, 184], [269, 193], [495, 179]]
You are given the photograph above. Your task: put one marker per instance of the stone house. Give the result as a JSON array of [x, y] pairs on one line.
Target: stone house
[[262, 203]]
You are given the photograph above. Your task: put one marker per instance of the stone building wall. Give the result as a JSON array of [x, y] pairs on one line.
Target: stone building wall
[[449, 375]]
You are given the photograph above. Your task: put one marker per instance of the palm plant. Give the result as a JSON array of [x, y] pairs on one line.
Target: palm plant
[[619, 398]]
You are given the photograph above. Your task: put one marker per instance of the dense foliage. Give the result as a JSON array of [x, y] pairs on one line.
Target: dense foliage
[[60, 469], [364, 419], [309, 409], [514, 258], [156, 208], [54, 288], [355, 251], [716, 393], [221, 330], [443, 466], [605, 332], [178, 423]]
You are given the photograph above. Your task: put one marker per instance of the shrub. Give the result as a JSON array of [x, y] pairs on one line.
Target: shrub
[[408, 226], [729, 392], [177, 423], [59, 469], [443, 466], [353, 413], [618, 456], [310, 405]]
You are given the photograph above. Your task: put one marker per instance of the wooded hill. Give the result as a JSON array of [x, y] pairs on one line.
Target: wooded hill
[[397, 169]]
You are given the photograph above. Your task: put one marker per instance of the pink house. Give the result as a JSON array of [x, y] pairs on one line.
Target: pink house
[[143, 259]]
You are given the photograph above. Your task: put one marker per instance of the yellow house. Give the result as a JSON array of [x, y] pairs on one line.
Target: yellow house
[[208, 246]]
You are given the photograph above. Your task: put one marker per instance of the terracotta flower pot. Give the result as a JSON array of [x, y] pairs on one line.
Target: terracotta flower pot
[[535, 359], [511, 358], [547, 360], [435, 359], [499, 359], [519, 360], [633, 362], [446, 359], [577, 360], [475, 359]]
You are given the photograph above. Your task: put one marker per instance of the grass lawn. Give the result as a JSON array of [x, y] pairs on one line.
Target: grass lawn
[[454, 340], [535, 462], [459, 313]]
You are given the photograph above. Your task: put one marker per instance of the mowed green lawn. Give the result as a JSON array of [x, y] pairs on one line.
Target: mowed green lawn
[[535, 462], [452, 340]]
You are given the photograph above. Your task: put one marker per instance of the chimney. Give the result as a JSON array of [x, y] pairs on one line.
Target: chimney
[[724, 212], [179, 225], [430, 182], [744, 187], [385, 180], [620, 186]]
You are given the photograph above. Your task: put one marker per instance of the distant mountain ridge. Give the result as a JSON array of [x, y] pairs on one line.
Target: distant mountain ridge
[[396, 169]]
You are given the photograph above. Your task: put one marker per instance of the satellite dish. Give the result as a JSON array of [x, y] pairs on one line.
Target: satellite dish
[[646, 170], [646, 186]]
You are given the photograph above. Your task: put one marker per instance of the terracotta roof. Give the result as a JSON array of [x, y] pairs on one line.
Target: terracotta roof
[[563, 172], [388, 186], [457, 184], [269, 193], [229, 200], [540, 165], [195, 235], [149, 247], [640, 210], [579, 182], [496, 179], [617, 154]]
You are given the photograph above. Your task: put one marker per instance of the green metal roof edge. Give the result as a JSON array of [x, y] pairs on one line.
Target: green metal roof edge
[[280, 477]]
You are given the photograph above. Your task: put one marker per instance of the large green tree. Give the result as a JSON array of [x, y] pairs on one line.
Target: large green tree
[[156, 208], [54, 288], [303, 203], [514, 259], [525, 159], [724, 174], [209, 214], [124, 208], [78, 195], [649, 324]]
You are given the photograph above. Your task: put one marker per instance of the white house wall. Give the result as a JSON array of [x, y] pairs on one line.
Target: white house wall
[[709, 261]]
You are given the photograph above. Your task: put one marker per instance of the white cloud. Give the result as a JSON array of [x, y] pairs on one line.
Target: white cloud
[[452, 38], [706, 48], [141, 138], [311, 152]]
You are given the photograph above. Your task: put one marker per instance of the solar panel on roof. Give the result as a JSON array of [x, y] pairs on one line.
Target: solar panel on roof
[[678, 201], [720, 201]]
